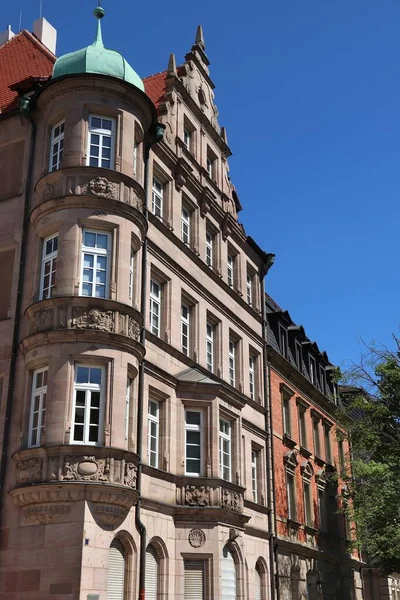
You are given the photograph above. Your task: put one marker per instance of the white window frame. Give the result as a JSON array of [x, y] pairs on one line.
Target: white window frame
[[51, 260], [252, 377], [210, 167], [88, 388], [135, 156], [307, 502], [56, 146], [155, 306], [254, 474], [103, 134], [129, 383], [230, 267], [210, 338], [291, 495], [157, 198], [232, 362], [287, 414], [187, 138], [185, 225], [313, 369], [153, 420], [131, 273], [249, 289], [185, 328], [40, 393], [198, 428], [96, 253], [209, 249], [299, 355], [225, 436]]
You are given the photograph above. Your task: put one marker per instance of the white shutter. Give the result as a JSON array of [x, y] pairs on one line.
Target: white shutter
[[228, 575], [116, 571], [257, 592], [194, 579], [151, 574]]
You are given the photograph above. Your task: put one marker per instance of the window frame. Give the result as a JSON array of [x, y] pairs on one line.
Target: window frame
[[252, 376], [40, 392], [159, 196], [186, 223], [307, 502], [59, 141], [232, 358], [153, 419], [249, 288], [197, 428], [303, 438], [48, 258], [327, 443], [88, 406], [283, 342], [128, 398], [102, 133], [312, 369], [210, 345], [225, 437], [286, 413], [316, 436], [96, 252], [185, 323], [155, 300], [131, 274], [291, 495], [209, 248], [255, 472], [299, 355]]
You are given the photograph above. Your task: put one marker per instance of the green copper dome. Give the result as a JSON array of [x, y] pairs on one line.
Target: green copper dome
[[97, 59]]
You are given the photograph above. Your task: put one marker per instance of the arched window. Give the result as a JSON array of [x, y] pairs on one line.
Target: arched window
[[258, 585], [228, 575], [260, 580], [152, 576], [116, 571]]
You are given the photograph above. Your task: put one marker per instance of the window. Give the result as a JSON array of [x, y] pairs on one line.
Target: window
[[56, 146], [101, 142], [155, 307], [88, 405], [135, 156], [210, 347], [210, 167], [95, 263], [38, 407], [342, 460], [228, 575], [153, 428], [185, 226], [317, 441], [255, 459], [209, 249], [185, 328], [252, 374], [193, 442], [49, 267], [307, 498], [225, 450], [157, 198], [116, 571], [128, 405], [298, 356], [322, 379], [187, 139], [151, 574], [302, 426], [291, 495], [194, 579], [287, 417], [230, 269], [312, 369], [232, 363], [327, 440], [283, 341], [131, 268], [249, 289]]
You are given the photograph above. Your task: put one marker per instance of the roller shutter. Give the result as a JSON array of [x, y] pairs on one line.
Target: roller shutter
[[116, 571], [151, 574], [228, 575], [257, 591], [194, 580]]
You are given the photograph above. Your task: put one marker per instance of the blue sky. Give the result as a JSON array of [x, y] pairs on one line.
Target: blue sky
[[309, 93]]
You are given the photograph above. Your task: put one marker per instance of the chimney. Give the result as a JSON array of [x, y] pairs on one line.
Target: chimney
[[45, 33], [6, 36]]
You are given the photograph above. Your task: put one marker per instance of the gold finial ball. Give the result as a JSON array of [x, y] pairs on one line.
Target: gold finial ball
[[99, 12]]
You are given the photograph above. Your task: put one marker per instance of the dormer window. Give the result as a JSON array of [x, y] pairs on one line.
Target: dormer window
[[299, 354], [101, 142], [313, 369], [283, 341]]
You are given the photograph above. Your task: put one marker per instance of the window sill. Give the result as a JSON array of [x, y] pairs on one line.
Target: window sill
[[293, 524], [304, 452], [287, 440], [319, 461], [310, 530]]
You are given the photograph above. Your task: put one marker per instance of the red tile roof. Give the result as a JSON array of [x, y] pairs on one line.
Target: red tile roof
[[21, 58], [155, 87]]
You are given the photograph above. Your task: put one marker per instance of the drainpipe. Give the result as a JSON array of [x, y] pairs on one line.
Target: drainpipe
[[270, 445], [158, 134], [25, 106]]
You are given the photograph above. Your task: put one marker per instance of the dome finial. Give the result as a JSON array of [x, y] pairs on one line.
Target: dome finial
[[99, 13]]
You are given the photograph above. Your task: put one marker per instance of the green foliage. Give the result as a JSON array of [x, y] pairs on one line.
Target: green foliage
[[372, 413]]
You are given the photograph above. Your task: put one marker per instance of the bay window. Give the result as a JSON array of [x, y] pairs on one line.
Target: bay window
[[96, 248], [49, 267], [88, 405], [193, 442], [56, 146], [101, 142], [38, 407], [225, 450]]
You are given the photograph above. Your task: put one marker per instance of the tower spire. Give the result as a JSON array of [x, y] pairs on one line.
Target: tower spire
[[171, 70], [199, 41], [99, 13]]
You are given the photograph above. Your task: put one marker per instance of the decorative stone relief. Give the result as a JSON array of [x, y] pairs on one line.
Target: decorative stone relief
[[85, 468], [130, 475], [29, 470], [101, 186], [197, 538], [93, 318], [231, 500], [42, 321], [133, 329], [53, 190], [197, 495], [108, 515], [44, 514]]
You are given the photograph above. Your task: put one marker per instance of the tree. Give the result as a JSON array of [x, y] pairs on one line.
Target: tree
[[371, 408]]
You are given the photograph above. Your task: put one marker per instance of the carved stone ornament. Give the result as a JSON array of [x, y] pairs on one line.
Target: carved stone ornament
[[197, 538], [130, 475], [29, 470], [197, 496], [45, 514], [93, 318], [42, 321], [133, 329], [102, 187], [85, 468], [231, 501], [108, 515], [53, 190]]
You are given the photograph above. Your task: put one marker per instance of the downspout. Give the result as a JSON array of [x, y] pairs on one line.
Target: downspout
[[157, 136], [25, 106], [270, 446]]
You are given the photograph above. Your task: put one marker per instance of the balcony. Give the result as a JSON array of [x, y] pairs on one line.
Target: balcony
[[50, 479], [91, 187], [87, 319], [219, 499]]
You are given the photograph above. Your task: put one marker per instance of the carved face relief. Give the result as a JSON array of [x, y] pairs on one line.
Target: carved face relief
[[100, 186]]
